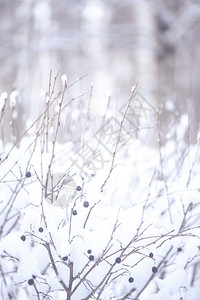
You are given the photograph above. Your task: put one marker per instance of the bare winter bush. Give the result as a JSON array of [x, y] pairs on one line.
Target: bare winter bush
[[123, 224]]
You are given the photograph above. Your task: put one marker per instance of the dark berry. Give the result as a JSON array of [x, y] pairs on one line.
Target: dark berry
[[74, 212], [85, 203], [154, 269], [30, 281], [118, 260], [179, 249], [151, 254], [23, 238], [89, 251], [65, 257], [131, 279], [28, 174], [33, 276], [91, 257], [78, 188], [40, 229]]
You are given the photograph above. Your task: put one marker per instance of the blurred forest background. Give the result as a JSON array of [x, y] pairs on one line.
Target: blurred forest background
[[117, 43]]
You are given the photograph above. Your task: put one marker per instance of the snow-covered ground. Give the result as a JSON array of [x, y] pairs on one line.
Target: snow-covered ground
[[121, 226]]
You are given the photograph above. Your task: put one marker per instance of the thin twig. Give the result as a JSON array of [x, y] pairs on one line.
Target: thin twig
[[119, 137]]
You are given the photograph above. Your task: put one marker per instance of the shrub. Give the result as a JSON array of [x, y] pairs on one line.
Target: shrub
[[139, 215]]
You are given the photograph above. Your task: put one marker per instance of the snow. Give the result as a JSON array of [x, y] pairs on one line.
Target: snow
[[13, 98], [133, 89], [15, 115], [48, 99], [138, 212], [64, 79]]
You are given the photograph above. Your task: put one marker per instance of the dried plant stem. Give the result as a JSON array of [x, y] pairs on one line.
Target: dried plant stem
[[55, 138], [162, 168], [55, 268], [88, 115], [152, 276], [118, 139]]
